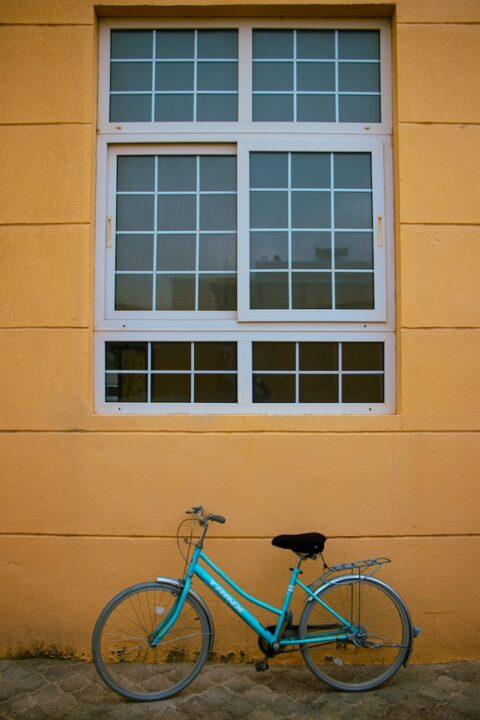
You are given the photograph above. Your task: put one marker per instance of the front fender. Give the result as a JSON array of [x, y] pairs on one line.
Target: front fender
[[177, 584]]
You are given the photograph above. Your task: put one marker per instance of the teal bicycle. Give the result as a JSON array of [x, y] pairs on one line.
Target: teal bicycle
[[152, 639]]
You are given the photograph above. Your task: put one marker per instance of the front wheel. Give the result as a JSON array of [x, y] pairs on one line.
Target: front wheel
[[376, 647], [123, 656]]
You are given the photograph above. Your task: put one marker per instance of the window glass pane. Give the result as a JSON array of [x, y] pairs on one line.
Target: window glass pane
[[175, 44], [171, 388], [272, 44], [318, 356], [216, 108], [218, 173], [354, 291], [176, 252], [359, 44], [311, 250], [215, 356], [354, 250], [218, 44], [316, 76], [176, 212], [315, 44], [177, 173], [134, 252], [131, 76], [268, 170], [359, 77], [126, 356], [268, 291], [173, 108], [218, 252], [310, 209], [273, 76], [135, 173], [218, 212], [135, 212], [353, 210], [268, 209], [133, 292], [217, 292], [273, 388], [217, 76], [174, 76], [273, 107], [311, 290], [362, 388], [130, 108], [171, 356], [273, 355], [359, 108], [353, 170], [268, 250], [318, 388], [126, 388], [131, 44], [316, 108], [363, 356], [311, 170], [176, 292], [215, 388]]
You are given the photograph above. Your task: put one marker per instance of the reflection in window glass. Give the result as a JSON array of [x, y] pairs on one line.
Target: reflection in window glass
[[311, 212]]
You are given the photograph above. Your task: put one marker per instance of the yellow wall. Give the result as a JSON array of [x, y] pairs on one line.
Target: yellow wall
[[90, 503]]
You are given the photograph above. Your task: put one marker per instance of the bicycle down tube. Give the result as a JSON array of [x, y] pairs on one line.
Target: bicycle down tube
[[196, 569]]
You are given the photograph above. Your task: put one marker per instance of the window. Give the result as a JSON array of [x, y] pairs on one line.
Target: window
[[244, 258]]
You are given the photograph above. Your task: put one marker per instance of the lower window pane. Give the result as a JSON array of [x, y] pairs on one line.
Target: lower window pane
[[217, 292], [131, 387], [215, 388], [273, 388], [354, 291], [311, 290], [176, 292], [171, 388], [363, 389], [319, 388], [268, 290]]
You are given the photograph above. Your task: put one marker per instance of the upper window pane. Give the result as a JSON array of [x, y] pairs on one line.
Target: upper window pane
[[173, 75], [316, 75]]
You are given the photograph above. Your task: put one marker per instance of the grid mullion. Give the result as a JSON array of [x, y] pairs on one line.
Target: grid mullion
[[297, 372], [295, 70], [332, 223], [197, 232], [195, 74], [340, 373], [289, 235], [192, 371], [154, 71], [155, 237], [337, 111]]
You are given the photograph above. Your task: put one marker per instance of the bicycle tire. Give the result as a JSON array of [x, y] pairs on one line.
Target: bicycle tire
[[381, 645], [122, 655]]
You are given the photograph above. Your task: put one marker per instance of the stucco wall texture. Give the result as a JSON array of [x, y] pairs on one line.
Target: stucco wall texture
[[91, 503]]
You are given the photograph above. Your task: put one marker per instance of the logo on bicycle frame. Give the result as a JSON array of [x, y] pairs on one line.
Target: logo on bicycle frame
[[226, 596]]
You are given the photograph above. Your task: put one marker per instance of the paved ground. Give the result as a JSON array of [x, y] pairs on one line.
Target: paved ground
[[55, 689]]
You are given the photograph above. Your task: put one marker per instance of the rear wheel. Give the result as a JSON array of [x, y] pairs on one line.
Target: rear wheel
[[377, 646], [123, 656]]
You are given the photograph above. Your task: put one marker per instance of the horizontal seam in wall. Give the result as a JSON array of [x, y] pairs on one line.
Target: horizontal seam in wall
[[437, 22], [236, 537], [440, 327], [164, 431], [40, 24], [438, 224], [44, 327], [47, 124], [423, 123], [46, 224]]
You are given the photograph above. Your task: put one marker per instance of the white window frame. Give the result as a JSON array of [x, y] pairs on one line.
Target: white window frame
[[207, 137]]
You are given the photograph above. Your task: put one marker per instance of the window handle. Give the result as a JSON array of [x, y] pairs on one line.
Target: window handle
[[380, 239], [109, 232]]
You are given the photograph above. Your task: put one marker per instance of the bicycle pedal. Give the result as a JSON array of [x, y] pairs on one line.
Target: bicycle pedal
[[261, 665]]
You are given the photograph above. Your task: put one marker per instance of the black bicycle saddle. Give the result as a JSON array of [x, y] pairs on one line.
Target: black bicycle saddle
[[308, 543]]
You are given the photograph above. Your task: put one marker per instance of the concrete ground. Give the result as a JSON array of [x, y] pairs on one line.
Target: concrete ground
[[40, 688]]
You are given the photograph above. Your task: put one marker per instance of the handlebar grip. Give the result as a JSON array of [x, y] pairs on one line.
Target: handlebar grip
[[217, 518]]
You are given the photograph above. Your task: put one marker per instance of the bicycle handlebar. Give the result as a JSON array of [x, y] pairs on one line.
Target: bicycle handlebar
[[198, 511]]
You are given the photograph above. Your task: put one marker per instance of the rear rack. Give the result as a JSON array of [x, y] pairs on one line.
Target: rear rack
[[362, 567]]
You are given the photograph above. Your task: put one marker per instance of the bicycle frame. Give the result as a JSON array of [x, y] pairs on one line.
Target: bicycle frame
[[274, 638]]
